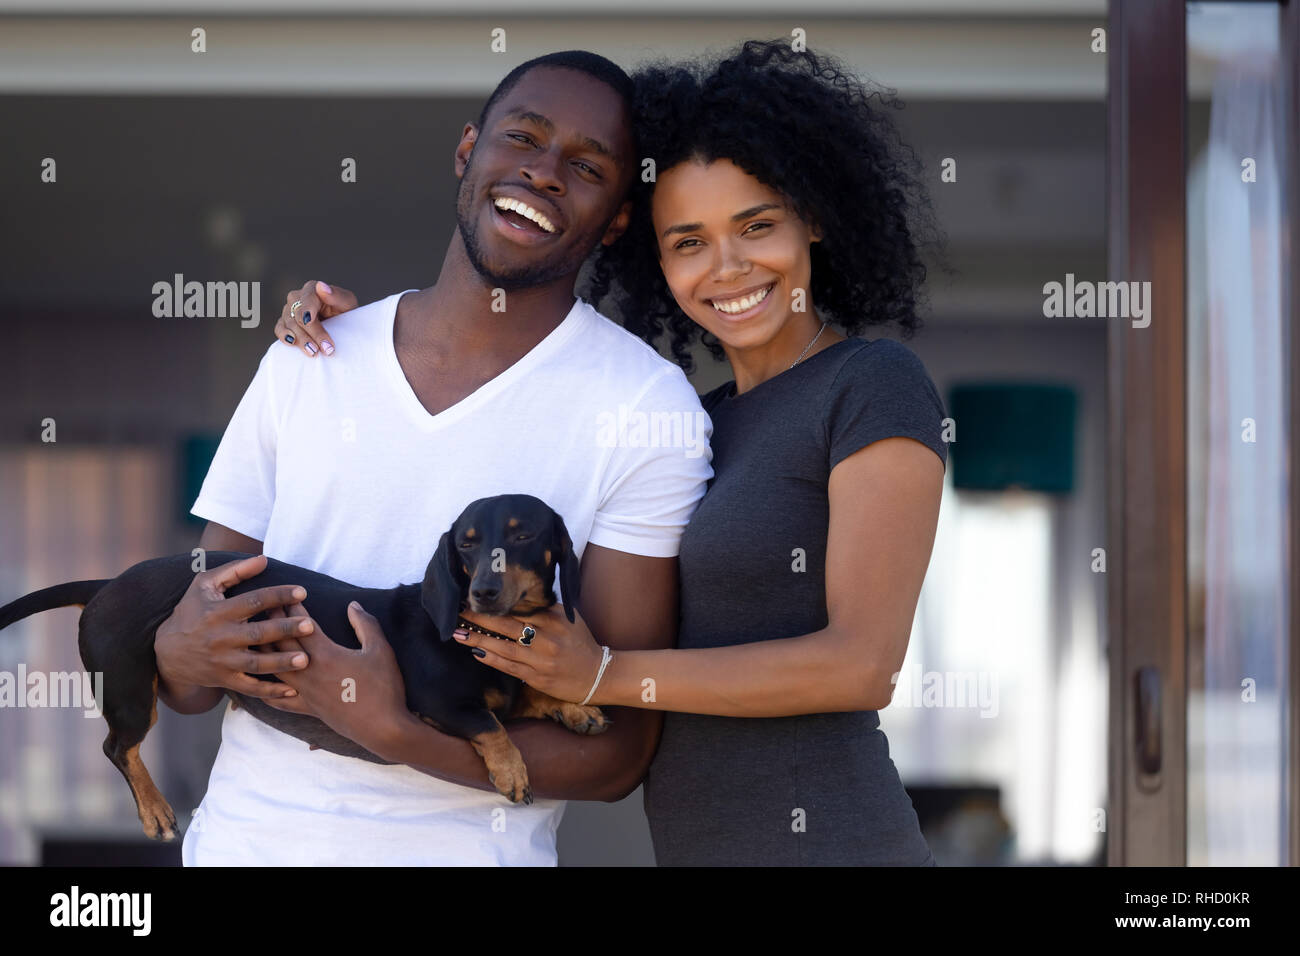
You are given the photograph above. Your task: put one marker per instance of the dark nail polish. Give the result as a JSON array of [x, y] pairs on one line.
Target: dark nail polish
[[289, 339], [306, 318], [479, 652]]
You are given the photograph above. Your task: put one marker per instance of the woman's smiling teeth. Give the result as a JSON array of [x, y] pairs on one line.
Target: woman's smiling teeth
[[736, 306], [525, 210]]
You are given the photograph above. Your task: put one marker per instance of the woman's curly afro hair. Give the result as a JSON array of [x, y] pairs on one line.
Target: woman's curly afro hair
[[805, 127]]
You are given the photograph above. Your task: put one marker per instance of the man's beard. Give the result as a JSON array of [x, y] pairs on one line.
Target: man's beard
[[511, 279]]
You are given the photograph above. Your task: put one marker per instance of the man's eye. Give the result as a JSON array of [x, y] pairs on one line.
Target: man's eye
[[520, 137], [591, 170]]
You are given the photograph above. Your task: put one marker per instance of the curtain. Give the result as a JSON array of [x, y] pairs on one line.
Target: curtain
[[1245, 429], [83, 512]]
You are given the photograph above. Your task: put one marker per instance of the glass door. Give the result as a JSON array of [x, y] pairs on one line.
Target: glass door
[[1204, 433], [1239, 571]]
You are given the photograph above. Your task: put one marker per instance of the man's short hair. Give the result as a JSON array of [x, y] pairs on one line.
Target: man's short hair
[[593, 64]]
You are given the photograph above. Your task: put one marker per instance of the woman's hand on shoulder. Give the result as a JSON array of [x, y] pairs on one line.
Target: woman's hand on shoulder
[[301, 320]]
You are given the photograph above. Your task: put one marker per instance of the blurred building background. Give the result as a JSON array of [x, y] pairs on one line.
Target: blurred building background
[[225, 165]]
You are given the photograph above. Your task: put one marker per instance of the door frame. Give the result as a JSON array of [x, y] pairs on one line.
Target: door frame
[[1146, 430]]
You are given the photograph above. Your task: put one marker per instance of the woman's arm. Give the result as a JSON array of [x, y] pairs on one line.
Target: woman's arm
[[884, 511]]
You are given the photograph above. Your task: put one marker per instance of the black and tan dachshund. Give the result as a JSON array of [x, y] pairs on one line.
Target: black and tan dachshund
[[499, 557]]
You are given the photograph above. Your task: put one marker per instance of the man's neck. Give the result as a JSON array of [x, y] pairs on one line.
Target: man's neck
[[462, 318]]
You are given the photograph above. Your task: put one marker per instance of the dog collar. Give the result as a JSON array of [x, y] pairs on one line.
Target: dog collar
[[526, 637]]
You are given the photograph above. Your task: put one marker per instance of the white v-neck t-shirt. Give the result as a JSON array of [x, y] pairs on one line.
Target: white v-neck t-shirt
[[335, 465]]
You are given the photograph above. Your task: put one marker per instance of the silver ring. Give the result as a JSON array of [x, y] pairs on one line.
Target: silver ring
[[294, 308], [526, 637]]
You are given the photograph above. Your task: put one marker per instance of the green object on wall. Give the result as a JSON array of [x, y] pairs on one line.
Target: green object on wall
[[1013, 435], [197, 452]]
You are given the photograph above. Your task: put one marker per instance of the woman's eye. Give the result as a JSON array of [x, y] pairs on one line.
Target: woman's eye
[[758, 225], [686, 243]]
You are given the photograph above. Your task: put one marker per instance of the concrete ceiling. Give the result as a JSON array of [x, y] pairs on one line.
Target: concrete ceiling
[[225, 164]]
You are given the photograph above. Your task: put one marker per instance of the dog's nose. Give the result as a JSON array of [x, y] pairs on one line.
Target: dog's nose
[[485, 594]]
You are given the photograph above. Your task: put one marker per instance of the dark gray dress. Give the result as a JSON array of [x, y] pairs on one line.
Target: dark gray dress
[[730, 790]]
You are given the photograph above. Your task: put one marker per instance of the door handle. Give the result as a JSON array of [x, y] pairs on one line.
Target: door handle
[[1146, 687]]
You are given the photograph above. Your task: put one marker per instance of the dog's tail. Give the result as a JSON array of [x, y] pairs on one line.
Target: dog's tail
[[61, 595]]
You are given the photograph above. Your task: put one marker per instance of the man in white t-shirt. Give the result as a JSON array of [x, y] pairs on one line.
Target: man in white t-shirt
[[356, 463]]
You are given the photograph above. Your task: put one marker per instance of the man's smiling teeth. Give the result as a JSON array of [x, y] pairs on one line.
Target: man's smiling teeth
[[525, 210], [736, 306]]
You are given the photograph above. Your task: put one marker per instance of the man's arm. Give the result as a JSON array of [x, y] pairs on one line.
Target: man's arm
[[630, 603], [209, 641], [218, 537]]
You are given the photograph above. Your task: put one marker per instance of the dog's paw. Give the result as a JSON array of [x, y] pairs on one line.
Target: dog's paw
[[597, 722], [158, 821], [514, 787], [582, 720]]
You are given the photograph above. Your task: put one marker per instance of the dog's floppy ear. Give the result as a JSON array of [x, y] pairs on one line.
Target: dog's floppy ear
[[444, 583], [570, 569]]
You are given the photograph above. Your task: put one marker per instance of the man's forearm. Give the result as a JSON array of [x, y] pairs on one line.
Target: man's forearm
[[189, 699], [561, 765]]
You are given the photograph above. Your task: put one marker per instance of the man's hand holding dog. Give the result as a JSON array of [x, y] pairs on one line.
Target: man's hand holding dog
[[358, 694], [208, 641]]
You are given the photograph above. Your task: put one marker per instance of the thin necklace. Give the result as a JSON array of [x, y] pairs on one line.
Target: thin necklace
[[809, 345]]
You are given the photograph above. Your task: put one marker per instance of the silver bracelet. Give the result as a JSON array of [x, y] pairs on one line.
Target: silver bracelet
[[605, 658]]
